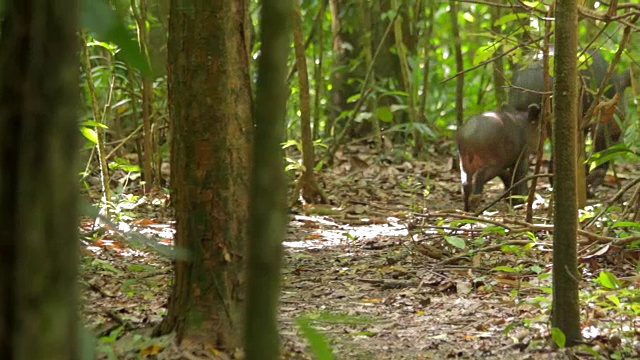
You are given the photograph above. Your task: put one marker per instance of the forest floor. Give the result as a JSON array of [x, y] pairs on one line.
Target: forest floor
[[392, 270]]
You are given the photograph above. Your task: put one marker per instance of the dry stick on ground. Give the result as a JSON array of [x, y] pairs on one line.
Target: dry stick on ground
[[614, 199], [525, 226], [601, 239], [507, 191], [486, 249], [464, 216]]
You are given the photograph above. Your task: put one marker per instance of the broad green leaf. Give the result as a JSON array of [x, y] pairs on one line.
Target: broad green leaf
[[456, 241], [104, 24], [384, 114], [469, 17], [513, 16], [536, 269], [94, 123], [504, 268], [614, 299], [317, 341], [353, 98], [558, 337], [608, 280], [611, 153], [626, 224], [90, 134]]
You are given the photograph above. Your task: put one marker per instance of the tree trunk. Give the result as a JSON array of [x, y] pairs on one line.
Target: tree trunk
[[269, 189], [140, 14], [364, 18], [544, 127], [566, 309], [423, 108], [318, 76], [337, 101], [210, 107], [459, 63], [401, 50], [311, 192], [498, 63], [38, 182]]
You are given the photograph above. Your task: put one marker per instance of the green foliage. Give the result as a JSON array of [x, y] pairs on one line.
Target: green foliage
[[456, 241], [558, 337], [608, 280], [103, 23], [612, 153], [318, 342]]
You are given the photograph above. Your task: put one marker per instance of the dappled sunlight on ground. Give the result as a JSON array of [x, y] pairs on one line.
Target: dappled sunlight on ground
[[392, 269]]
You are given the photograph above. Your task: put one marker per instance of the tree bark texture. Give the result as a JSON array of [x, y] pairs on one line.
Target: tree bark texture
[[211, 111], [38, 181], [566, 310]]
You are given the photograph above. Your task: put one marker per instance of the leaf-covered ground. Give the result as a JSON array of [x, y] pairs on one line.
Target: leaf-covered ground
[[391, 270]]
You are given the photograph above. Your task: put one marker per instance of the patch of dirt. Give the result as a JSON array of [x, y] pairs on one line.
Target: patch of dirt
[[391, 270]]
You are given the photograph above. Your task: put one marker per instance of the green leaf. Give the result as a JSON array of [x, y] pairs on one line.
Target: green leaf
[[104, 24], [512, 16], [608, 280], [614, 299], [353, 98], [94, 123], [384, 114], [456, 241], [317, 341], [508, 269], [536, 269], [626, 224], [90, 134], [611, 153], [469, 17], [558, 337], [493, 229]]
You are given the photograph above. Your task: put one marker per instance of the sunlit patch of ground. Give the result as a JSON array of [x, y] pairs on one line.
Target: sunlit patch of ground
[[390, 270]]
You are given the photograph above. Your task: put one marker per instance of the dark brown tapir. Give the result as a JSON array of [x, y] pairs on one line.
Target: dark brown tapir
[[496, 143], [528, 83]]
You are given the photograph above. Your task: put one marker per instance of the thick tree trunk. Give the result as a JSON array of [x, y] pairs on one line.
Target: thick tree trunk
[[210, 106], [566, 306], [38, 184]]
